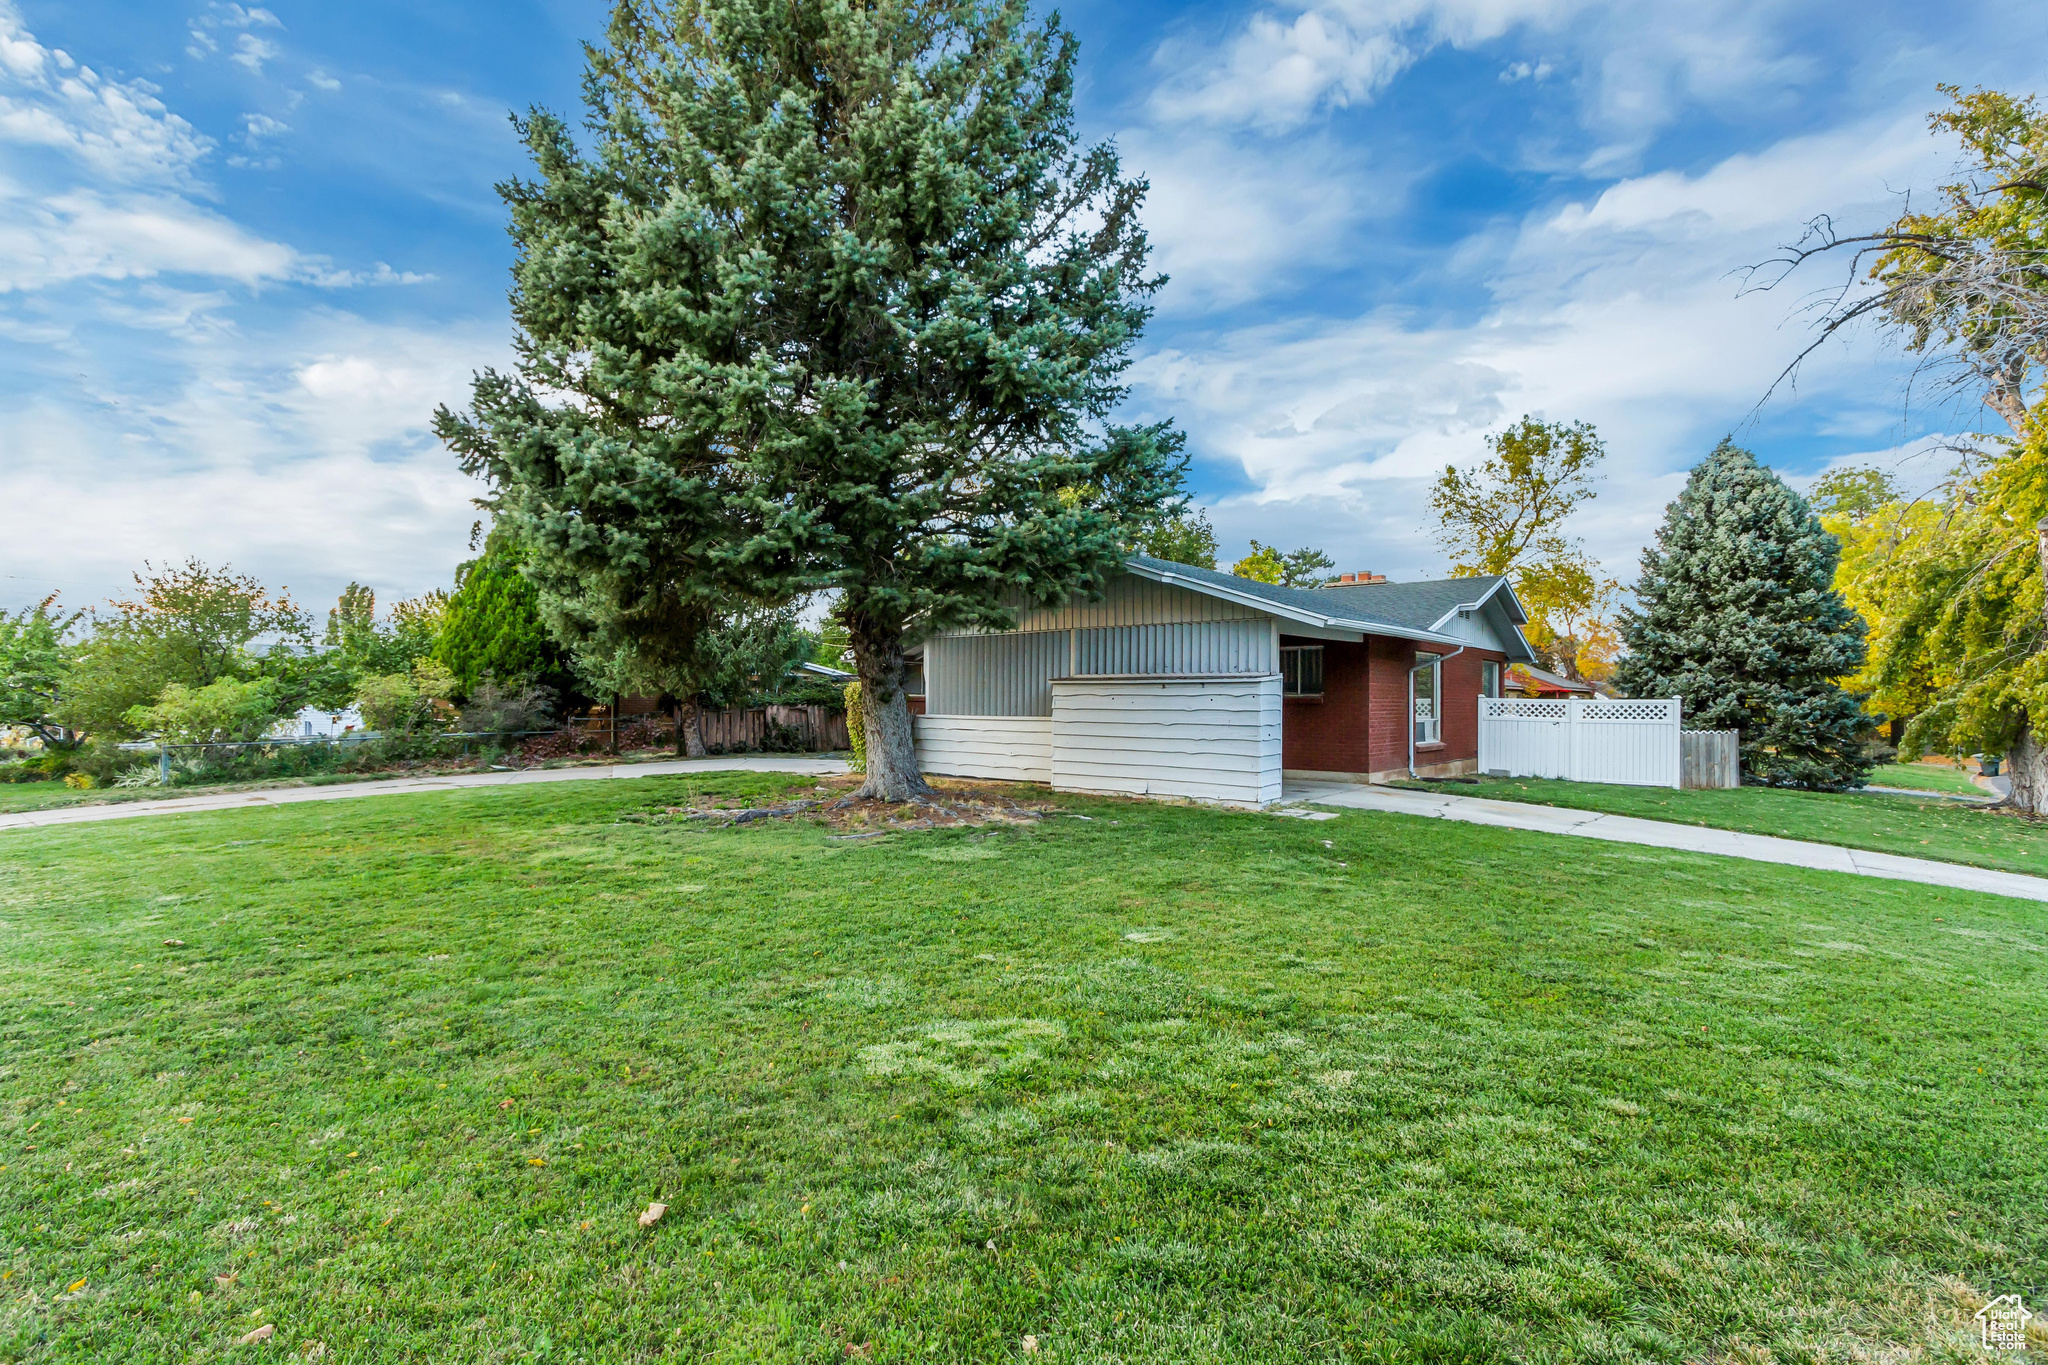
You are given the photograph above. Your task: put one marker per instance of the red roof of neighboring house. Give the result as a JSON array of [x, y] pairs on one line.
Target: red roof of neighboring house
[[1536, 682]]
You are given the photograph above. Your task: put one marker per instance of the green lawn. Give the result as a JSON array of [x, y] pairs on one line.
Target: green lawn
[[1926, 777], [1949, 831], [1168, 1085]]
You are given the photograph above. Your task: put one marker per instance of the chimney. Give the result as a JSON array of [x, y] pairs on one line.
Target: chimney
[[1346, 578]]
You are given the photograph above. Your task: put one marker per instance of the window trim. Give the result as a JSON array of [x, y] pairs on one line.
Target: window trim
[[1293, 680], [1490, 677], [1431, 731]]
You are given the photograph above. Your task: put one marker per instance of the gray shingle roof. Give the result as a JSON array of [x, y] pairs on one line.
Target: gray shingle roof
[[1406, 607], [1418, 604]]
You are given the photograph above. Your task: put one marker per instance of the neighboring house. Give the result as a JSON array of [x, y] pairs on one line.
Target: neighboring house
[[1189, 682], [1526, 680], [312, 723]]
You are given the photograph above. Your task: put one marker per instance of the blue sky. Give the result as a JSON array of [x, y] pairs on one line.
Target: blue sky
[[244, 252]]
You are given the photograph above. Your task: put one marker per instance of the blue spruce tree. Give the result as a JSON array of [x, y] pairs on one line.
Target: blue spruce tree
[[1738, 616]]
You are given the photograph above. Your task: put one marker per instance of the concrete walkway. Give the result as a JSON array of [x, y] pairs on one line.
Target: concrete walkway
[[1624, 829], [289, 796]]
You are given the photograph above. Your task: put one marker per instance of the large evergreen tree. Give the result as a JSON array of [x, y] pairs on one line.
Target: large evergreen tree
[[833, 300], [1739, 617]]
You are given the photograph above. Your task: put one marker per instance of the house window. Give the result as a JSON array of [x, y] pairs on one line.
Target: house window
[[1428, 679], [1489, 677], [1301, 670]]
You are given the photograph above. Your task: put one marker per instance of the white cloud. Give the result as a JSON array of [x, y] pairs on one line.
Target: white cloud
[[1622, 311], [1287, 64], [306, 459], [252, 52], [1229, 222], [85, 234], [48, 101], [258, 126], [320, 80]]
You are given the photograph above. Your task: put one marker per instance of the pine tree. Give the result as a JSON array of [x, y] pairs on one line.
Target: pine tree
[[1740, 619], [832, 301], [491, 628]]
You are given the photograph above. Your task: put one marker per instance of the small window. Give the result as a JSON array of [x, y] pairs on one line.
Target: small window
[[1301, 670], [1428, 681], [1489, 677]]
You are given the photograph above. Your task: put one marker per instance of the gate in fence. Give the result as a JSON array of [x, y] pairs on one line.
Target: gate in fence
[[1635, 743]]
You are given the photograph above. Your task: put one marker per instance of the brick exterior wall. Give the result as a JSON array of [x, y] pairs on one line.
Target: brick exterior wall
[[1361, 724]]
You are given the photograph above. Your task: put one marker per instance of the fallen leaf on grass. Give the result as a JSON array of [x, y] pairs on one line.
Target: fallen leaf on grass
[[1031, 1346], [74, 1288], [184, 1118], [263, 1333], [505, 1104], [174, 943], [225, 1280], [653, 1215]]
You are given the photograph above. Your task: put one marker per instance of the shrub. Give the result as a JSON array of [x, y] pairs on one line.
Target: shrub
[[226, 709], [505, 710], [856, 735]]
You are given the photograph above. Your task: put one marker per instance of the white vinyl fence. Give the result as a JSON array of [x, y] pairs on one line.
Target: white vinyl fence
[[1577, 739]]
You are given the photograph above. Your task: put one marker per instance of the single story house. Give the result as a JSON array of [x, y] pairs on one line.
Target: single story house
[[1526, 680], [1182, 681]]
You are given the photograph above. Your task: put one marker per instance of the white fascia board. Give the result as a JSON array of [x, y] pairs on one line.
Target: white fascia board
[[1317, 623], [1510, 603]]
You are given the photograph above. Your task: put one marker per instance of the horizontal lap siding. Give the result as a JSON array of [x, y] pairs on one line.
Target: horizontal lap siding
[[1212, 739], [1006, 748]]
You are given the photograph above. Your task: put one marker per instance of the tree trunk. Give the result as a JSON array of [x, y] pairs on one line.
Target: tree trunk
[[690, 729], [2026, 763], [885, 712]]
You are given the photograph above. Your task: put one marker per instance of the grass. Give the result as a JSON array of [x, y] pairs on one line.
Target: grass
[[1947, 831], [1926, 777], [1167, 1085]]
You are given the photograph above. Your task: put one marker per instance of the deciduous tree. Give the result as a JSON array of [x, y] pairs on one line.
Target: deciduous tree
[[34, 665], [1506, 517], [1303, 568], [188, 624]]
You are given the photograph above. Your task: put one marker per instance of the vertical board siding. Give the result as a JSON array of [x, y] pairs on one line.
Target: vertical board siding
[[1134, 601], [1244, 646], [1006, 748], [994, 675], [1011, 675], [1210, 739]]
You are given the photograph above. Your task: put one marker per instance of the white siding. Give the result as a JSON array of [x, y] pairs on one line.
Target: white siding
[[1007, 748], [1214, 739]]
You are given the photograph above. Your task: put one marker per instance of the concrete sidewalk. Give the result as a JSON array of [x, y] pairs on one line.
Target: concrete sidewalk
[[1624, 829], [290, 796]]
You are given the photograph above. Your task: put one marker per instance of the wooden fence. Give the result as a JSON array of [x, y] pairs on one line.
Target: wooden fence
[[1710, 758], [814, 729]]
